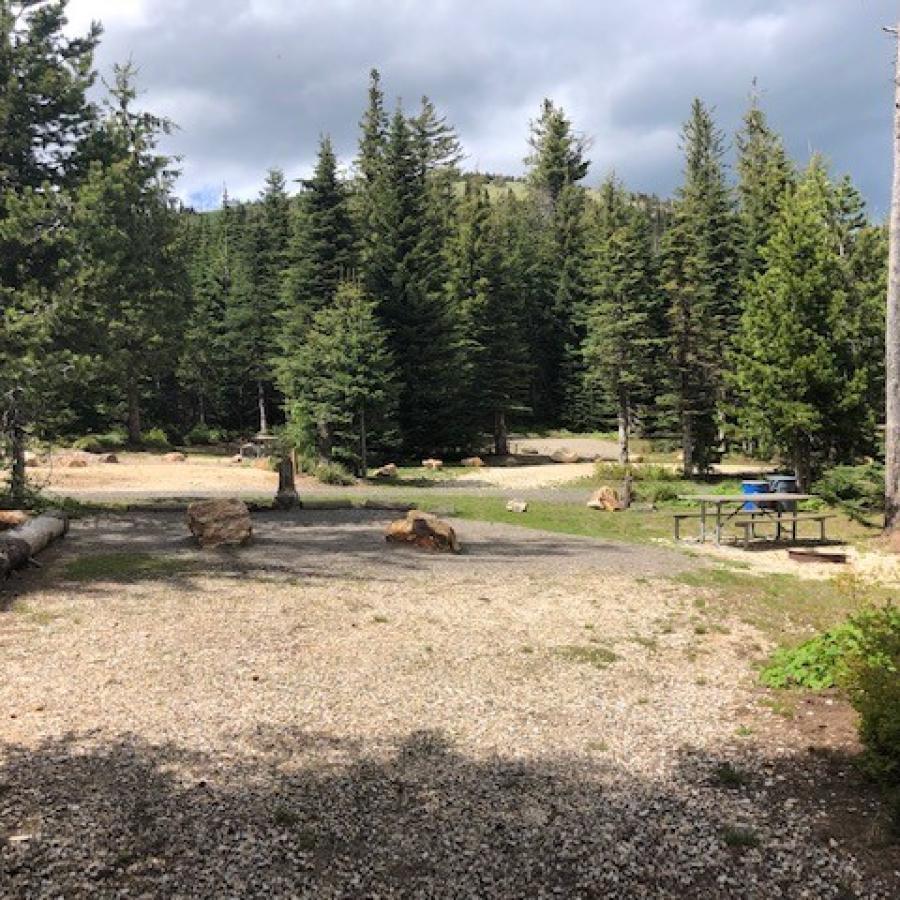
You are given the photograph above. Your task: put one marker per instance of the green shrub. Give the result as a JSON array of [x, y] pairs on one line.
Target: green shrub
[[203, 435], [102, 443], [659, 492], [856, 489], [333, 473], [609, 471], [155, 439], [815, 664], [872, 679]]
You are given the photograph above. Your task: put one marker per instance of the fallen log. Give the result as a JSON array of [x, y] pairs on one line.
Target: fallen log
[[19, 545]]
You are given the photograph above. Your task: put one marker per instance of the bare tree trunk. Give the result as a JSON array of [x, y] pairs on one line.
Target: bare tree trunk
[[261, 400], [624, 426], [892, 344], [134, 414], [687, 444], [17, 483], [800, 453], [202, 410], [501, 436], [323, 442], [363, 450]]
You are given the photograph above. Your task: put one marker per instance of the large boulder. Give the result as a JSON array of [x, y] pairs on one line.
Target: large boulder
[[565, 455], [473, 462], [386, 471], [107, 458], [218, 522], [605, 498], [72, 460], [423, 530], [433, 464], [175, 458]]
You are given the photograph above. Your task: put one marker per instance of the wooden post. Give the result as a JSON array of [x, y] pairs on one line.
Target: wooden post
[[287, 496], [892, 334]]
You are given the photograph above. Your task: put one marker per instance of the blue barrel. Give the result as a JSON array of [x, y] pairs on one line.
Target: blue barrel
[[754, 487], [784, 484]]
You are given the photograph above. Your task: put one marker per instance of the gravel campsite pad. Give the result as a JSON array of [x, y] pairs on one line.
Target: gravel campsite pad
[[323, 715]]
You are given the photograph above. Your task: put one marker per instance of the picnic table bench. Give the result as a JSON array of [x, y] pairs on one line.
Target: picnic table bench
[[769, 509]]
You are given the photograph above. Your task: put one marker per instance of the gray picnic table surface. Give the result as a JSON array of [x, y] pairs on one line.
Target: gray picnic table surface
[[722, 502]]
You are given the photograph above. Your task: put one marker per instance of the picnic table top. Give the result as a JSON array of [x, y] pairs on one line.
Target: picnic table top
[[774, 497]]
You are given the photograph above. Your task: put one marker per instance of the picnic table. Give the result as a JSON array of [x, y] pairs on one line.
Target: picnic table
[[770, 509]]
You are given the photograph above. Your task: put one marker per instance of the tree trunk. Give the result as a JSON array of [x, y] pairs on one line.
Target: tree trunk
[[363, 450], [17, 483], [323, 442], [802, 471], [624, 426], [261, 401], [20, 544], [501, 436], [687, 444], [202, 410], [134, 414], [892, 344]]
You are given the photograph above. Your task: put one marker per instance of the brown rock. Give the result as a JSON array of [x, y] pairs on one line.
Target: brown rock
[[12, 518], [433, 464], [217, 522], [473, 462], [387, 471], [72, 461], [174, 458], [605, 498], [108, 458], [565, 455], [423, 530]]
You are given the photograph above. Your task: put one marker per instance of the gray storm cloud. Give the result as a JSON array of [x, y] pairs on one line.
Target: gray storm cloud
[[253, 83]]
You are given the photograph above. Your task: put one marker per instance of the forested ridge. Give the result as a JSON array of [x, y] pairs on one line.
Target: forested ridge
[[430, 309]]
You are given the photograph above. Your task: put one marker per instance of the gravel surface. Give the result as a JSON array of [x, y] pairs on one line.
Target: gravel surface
[[321, 715]]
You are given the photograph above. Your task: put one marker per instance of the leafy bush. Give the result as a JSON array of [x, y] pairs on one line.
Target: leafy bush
[[155, 439], [873, 681], [815, 664], [659, 492], [333, 473], [102, 443], [203, 435], [609, 471], [856, 489]]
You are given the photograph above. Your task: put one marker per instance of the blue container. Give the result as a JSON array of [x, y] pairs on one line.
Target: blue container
[[754, 487], [784, 484]]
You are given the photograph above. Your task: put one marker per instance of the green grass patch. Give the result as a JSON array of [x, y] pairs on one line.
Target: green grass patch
[[784, 607], [598, 657], [126, 567]]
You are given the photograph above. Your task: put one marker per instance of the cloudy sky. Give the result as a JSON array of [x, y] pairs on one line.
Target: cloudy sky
[[253, 83]]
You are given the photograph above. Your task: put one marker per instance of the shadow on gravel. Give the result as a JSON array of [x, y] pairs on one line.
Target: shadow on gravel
[[332, 544], [294, 813]]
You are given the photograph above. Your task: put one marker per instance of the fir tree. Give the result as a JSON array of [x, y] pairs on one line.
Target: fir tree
[[344, 387], [795, 389], [765, 174], [489, 303], [557, 153], [700, 281], [131, 283], [322, 248], [620, 322]]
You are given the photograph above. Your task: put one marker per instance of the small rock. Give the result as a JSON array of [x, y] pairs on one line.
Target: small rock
[[174, 458], [386, 471], [107, 458], [517, 506], [605, 498], [565, 455], [473, 462]]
